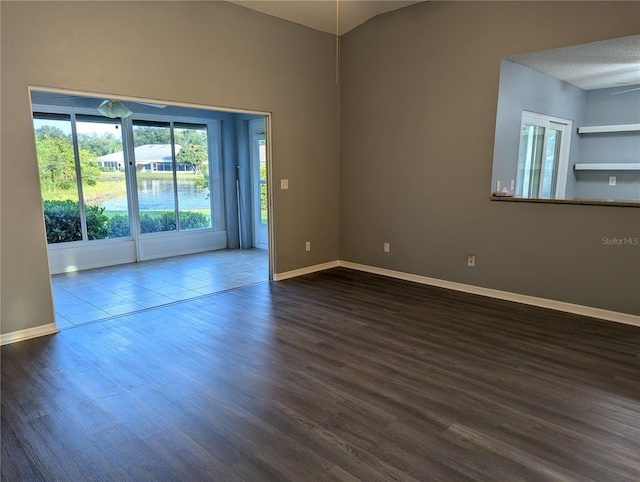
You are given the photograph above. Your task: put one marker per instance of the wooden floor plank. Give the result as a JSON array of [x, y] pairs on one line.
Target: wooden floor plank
[[338, 375]]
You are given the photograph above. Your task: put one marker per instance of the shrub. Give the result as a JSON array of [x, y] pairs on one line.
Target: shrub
[[149, 224], [62, 221], [193, 220], [119, 226], [97, 222]]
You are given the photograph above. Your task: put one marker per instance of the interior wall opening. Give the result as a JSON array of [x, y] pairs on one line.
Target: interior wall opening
[[127, 184]]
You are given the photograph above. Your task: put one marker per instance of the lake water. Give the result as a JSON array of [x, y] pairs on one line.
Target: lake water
[[158, 195]]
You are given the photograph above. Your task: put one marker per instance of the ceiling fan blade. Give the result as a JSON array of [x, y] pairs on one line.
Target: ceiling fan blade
[[159, 106]]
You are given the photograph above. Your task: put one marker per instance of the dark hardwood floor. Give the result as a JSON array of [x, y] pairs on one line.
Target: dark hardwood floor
[[338, 375]]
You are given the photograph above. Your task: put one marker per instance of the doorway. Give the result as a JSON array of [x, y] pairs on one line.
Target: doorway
[[158, 183], [260, 203]]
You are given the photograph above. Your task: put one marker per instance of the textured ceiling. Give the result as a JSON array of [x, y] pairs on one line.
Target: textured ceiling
[[598, 65], [321, 14]]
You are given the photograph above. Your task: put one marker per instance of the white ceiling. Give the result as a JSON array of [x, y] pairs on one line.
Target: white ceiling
[[321, 14], [597, 65]]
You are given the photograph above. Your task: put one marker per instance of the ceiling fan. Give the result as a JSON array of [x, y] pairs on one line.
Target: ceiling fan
[[115, 108], [112, 108]]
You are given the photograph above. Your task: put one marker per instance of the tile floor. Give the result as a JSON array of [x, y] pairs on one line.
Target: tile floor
[[96, 294]]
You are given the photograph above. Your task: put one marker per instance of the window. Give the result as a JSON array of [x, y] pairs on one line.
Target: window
[[84, 175], [172, 173], [74, 184], [543, 157]]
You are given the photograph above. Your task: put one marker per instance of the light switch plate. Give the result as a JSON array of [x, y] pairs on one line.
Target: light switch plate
[[284, 183]]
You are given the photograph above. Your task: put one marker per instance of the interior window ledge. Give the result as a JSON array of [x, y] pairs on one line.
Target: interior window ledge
[[591, 202]]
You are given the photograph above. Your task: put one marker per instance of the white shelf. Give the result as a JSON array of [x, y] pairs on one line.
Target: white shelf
[[601, 166], [611, 128]]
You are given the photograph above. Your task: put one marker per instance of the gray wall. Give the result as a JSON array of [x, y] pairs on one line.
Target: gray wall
[[602, 108], [418, 97], [522, 88], [211, 53], [419, 94]]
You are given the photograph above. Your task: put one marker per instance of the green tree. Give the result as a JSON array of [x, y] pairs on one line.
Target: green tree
[[191, 136], [202, 182], [99, 145], [56, 163], [144, 135], [192, 156], [51, 131], [89, 169]]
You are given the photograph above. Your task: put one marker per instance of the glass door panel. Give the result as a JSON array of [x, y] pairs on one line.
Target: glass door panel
[[264, 210], [104, 184], [192, 166], [58, 177], [153, 161], [530, 161], [551, 162], [260, 212]]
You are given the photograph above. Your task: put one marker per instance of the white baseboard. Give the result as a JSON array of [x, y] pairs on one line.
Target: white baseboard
[[616, 316], [307, 270], [22, 335], [592, 312]]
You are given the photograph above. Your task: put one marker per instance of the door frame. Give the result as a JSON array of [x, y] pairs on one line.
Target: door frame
[[257, 130], [127, 246], [545, 121]]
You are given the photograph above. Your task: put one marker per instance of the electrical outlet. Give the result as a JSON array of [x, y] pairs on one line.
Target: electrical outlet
[[386, 247], [307, 246], [612, 180], [284, 183], [471, 260]]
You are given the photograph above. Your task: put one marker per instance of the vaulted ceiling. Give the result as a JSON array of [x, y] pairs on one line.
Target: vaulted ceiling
[[612, 63], [321, 14]]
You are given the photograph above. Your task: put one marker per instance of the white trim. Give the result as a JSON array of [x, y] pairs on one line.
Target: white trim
[[610, 128], [307, 270], [271, 221], [81, 255], [565, 126], [589, 311], [178, 243], [603, 166], [592, 312], [141, 100], [29, 333]]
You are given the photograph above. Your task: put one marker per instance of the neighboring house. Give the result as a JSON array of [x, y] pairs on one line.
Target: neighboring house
[[148, 158]]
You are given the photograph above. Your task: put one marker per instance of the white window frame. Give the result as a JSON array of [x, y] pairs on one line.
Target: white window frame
[[549, 122]]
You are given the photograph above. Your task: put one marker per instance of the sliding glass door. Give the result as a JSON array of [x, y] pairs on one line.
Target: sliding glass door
[[145, 192], [84, 199], [258, 157], [172, 175], [104, 183], [544, 157], [192, 167], [155, 176]]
